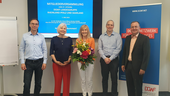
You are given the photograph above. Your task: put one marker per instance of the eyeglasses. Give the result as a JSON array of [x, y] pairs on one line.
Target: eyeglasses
[[34, 24]]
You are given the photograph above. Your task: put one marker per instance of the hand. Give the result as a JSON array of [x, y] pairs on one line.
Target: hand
[[123, 68], [23, 67], [59, 63], [43, 66], [66, 62], [107, 60], [141, 72]]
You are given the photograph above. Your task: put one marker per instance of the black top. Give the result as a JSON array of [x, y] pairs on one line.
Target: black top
[[61, 48]]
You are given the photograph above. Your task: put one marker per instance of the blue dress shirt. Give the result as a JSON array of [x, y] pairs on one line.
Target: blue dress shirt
[[33, 47], [109, 45]]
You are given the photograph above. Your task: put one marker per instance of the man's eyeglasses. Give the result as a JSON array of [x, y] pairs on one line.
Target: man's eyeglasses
[[34, 23]]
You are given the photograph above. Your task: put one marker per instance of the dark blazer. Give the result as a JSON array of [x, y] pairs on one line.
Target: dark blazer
[[140, 52]]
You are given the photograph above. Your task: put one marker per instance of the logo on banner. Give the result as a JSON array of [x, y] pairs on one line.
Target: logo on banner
[[150, 89], [150, 32]]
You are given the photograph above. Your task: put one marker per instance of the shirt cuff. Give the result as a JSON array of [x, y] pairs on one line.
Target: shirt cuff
[[23, 61], [45, 61], [103, 56], [112, 57]]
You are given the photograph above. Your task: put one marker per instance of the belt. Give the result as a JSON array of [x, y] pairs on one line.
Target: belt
[[34, 60], [129, 61], [108, 56]]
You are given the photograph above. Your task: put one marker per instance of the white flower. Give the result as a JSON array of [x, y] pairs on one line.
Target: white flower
[[79, 52], [84, 44]]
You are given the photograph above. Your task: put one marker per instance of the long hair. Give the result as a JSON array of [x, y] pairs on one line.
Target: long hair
[[88, 31]]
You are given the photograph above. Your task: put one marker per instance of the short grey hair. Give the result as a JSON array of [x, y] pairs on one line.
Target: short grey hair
[[61, 25], [110, 20]]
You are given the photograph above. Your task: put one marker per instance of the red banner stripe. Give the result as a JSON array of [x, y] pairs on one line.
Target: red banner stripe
[[123, 35], [150, 35], [144, 30]]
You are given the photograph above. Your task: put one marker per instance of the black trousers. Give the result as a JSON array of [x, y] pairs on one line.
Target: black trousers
[[112, 67], [33, 66], [134, 81]]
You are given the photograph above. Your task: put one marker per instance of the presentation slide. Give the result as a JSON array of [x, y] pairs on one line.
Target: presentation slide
[[74, 13]]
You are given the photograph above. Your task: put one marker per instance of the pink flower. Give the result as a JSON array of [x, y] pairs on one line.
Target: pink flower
[[75, 50]]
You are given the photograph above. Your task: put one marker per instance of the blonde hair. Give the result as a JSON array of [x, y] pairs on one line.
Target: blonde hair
[[61, 25], [88, 31]]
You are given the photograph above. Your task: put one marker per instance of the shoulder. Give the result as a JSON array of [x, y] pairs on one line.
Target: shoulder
[[27, 34], [127, 37], [144, 36], [55, 37], [39, 34], [68, 37], [116, 34], [101, 36]]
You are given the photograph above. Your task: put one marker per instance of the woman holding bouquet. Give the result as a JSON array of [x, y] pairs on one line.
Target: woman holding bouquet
[[86, 75], [60, 51]]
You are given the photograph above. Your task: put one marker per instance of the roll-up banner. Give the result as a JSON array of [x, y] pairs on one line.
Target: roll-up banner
[[149, 17]]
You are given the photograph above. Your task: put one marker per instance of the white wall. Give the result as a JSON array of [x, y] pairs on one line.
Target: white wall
[[13, 76], [164, 78]]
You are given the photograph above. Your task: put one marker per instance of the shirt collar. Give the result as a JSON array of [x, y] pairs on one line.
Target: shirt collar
[[135, 35], [110, 35], [31, 33]]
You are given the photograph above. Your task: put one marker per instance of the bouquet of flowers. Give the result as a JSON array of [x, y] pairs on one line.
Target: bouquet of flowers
[[83, 53]]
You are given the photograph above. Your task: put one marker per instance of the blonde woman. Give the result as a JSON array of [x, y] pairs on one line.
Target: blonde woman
[[86, 75], [60, 51]]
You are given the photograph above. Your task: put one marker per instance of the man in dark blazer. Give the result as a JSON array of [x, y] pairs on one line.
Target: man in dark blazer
[[136, 55]]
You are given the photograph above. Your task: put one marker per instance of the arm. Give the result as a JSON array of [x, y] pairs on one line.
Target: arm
[[92, 44], [100, 48], [123, 57], [124, 52], [71, 51], [22, 51], [146, 53], [44, 51], [118, 48], [52, 53]]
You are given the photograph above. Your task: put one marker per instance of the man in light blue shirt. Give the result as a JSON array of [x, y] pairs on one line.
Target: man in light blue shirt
[[109, 46], [33, 57]]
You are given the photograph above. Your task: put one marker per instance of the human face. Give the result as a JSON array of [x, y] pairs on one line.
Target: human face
[[62, 30], [135, 28], [34, 25], [84, 32], [110, 26]]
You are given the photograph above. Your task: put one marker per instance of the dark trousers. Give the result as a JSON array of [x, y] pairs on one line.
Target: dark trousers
[[134, 81], [112, 67], [33, 66]]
